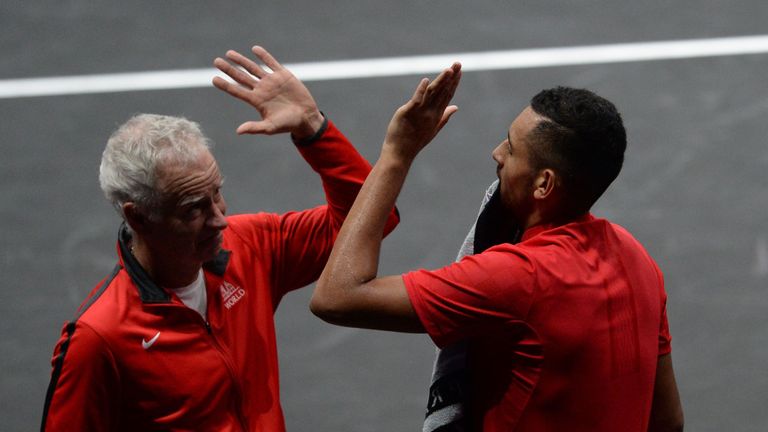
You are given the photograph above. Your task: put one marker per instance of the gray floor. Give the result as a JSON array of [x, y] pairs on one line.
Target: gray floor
[[693, 188]]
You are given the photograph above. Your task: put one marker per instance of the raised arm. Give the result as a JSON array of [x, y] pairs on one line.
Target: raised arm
[[286, 106], [301, 240], [349, 292]]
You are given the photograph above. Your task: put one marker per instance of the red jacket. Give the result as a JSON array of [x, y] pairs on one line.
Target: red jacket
[[136, 358]]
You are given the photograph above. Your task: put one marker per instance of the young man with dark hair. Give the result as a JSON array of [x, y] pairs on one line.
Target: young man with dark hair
[[567, 328], [583, 137]]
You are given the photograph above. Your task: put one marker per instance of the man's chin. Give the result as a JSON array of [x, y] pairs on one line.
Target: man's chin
[[209, 249]]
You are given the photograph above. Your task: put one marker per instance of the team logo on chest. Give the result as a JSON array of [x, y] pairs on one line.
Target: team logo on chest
[[230, 294]]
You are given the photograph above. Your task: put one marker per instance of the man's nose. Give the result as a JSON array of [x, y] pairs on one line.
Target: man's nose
[[496, 153], [218, 219]]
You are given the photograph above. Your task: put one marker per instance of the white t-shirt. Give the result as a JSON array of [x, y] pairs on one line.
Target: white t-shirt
[[193, 295]]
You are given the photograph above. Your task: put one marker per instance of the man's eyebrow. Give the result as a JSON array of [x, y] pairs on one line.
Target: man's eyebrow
[[197, 198], [509, 140], [191, 200]]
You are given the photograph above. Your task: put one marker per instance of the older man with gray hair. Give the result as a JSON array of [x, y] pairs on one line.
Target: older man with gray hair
[[180, 335]]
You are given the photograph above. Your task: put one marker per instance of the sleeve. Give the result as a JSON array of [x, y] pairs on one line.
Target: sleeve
[[301, 241], [84, 390], [469, 297]]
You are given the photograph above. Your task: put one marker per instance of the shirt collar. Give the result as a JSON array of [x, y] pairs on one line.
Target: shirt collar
[[538, 229]]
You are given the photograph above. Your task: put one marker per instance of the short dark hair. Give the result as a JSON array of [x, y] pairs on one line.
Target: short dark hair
[[582, 138]]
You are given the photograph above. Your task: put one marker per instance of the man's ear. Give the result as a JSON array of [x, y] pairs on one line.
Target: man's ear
[[135, 218], [545, 184]]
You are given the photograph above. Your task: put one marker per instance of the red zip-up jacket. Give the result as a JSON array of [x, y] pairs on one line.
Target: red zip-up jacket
[[136, 358]]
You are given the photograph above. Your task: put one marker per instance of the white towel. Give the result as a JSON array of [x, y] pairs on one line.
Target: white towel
[[448, 390]]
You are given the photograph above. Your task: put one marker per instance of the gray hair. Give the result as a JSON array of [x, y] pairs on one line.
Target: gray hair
[[129, 164]]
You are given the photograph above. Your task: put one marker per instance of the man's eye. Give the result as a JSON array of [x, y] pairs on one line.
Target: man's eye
[[193, 211]]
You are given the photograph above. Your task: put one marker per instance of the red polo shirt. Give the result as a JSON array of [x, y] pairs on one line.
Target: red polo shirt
[[565, 328]]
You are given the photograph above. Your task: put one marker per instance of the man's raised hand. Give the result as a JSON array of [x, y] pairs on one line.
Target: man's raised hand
[[284, 103], [417, 122]]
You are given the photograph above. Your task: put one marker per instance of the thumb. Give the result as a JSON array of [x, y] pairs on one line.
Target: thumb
[[449, 111], [256, 127]]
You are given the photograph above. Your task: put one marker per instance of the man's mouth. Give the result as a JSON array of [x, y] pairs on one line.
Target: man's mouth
[[214, 239]]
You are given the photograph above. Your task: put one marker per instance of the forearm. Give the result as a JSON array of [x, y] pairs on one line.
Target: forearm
[[349, 291], [341, 168], [355, 257], [308, 236]]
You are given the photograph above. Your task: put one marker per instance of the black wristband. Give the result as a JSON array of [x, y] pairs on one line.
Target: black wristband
[[307, 141]]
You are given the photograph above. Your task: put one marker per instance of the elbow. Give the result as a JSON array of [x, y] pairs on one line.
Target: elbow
[[671, 424], [320, 308], [677, 426], [327, 309]]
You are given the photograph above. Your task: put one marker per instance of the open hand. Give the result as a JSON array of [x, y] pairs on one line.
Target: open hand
[[418, 121], [284, 103]]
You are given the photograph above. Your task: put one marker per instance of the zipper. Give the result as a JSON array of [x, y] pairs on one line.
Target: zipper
[[231, 369], [227, 362]]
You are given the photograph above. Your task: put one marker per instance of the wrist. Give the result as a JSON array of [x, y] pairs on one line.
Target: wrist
[[392, 158], [317, 130], [394, 153], [311, 123]]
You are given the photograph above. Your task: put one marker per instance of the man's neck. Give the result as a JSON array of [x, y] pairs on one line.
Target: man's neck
[[554, 219], [163, 271]]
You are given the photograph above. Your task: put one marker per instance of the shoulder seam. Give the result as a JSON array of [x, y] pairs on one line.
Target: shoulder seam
[[98, 292]]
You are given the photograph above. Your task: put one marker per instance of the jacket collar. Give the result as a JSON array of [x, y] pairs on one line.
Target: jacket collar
[[149, 291]]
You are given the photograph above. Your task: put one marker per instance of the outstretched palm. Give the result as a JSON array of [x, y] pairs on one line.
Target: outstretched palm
[[417, 122], [284, 103]]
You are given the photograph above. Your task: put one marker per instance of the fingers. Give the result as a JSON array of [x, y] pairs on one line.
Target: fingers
[[421, 89], [442, 89], [236, 74], [253, 68], [436, 95], [454, 84], [233, 89], [266, 57], [248, 77], [246, 63]]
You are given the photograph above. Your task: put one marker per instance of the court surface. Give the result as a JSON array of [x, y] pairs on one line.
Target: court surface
[[693, 188]]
